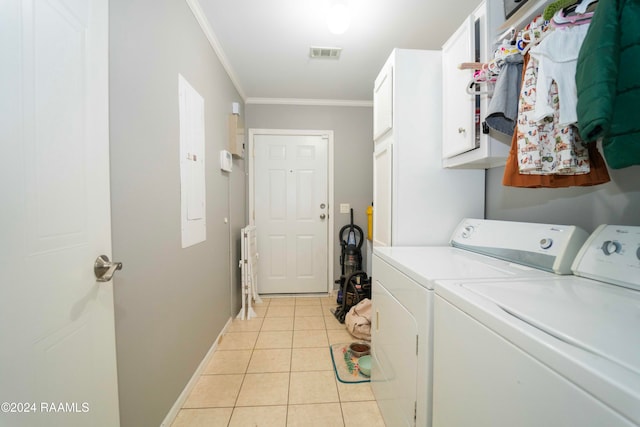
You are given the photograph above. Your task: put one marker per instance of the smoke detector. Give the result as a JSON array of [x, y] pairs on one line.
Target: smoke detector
[[325, 52]]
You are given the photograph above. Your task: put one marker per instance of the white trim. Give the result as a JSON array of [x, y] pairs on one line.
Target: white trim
[[173, 412], [313, 102], [330, 279], [330, 236], [200, 16]]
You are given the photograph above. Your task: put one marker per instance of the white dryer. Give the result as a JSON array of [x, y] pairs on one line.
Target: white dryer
[[402, 324], [555, 351]]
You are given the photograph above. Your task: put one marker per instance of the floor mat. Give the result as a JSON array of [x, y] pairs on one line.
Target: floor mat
[[345, 365]]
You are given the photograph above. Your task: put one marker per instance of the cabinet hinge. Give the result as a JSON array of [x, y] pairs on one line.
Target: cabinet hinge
[[415, 412]]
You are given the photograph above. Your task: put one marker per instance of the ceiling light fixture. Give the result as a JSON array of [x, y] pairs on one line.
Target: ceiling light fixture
[[338, 18]]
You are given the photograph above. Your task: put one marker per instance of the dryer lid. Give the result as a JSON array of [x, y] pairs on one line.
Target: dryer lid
[[599, 318], [427, 264]]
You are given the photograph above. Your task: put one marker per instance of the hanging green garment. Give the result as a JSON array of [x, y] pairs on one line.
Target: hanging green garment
[[608, 82]]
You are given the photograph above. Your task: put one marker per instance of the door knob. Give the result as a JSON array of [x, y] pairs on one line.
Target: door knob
[[322, 216], [104, 269]]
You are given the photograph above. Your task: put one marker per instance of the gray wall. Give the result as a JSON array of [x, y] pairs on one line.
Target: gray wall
[[353, 153], [170, 303], [617, 202]]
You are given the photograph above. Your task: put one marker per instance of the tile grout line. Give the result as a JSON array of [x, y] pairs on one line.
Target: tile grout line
[[286, 420], [244, 376]]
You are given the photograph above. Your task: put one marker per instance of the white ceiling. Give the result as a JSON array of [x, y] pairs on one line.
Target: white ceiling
[[264, 44]]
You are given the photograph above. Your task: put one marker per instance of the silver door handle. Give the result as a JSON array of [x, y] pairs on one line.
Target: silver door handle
[[322, 216], [104, 269]]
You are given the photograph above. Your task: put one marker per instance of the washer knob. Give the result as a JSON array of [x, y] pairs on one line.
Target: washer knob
[[611, 246], [466, 232], [546, 243]]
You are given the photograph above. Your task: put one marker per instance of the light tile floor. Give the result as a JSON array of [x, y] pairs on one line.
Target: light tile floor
[[275, 370]]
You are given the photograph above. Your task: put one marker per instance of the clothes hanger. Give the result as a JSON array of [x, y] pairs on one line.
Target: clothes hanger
[[562, 19], [533, 34], [581, 8], [471, 88]]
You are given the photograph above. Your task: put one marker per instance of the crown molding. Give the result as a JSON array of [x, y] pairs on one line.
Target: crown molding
[[200, 16], [202, 20], [310, 102]]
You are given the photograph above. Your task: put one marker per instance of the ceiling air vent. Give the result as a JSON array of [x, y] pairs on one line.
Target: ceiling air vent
[[325, 52]]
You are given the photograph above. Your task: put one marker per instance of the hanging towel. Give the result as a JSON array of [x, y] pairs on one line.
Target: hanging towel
[[503, 107]]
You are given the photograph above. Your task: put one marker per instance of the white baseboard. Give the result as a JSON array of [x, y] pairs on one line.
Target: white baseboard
[[173, 412]]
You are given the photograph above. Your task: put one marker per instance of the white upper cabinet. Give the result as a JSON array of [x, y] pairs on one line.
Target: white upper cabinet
[[458, 105], [466, 142], [383, 101]]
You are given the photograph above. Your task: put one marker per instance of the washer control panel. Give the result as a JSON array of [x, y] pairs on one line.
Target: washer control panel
[[546, 246], [612, 255]]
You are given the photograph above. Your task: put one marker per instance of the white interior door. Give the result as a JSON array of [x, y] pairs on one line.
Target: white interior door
[[57, 357], [291, 212]]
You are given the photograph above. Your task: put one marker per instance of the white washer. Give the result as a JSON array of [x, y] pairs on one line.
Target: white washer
[[555, 351], [402, 324]]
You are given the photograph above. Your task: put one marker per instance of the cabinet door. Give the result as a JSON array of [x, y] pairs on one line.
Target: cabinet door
[[395, 363], [382, 193], [465, 145], [458, 106], [236, 135], [383, 102]]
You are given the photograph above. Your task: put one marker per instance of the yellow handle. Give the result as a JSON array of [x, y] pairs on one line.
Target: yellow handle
[[370, 223]]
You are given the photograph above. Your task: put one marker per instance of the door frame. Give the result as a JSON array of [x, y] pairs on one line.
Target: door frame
[[293, 132]]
